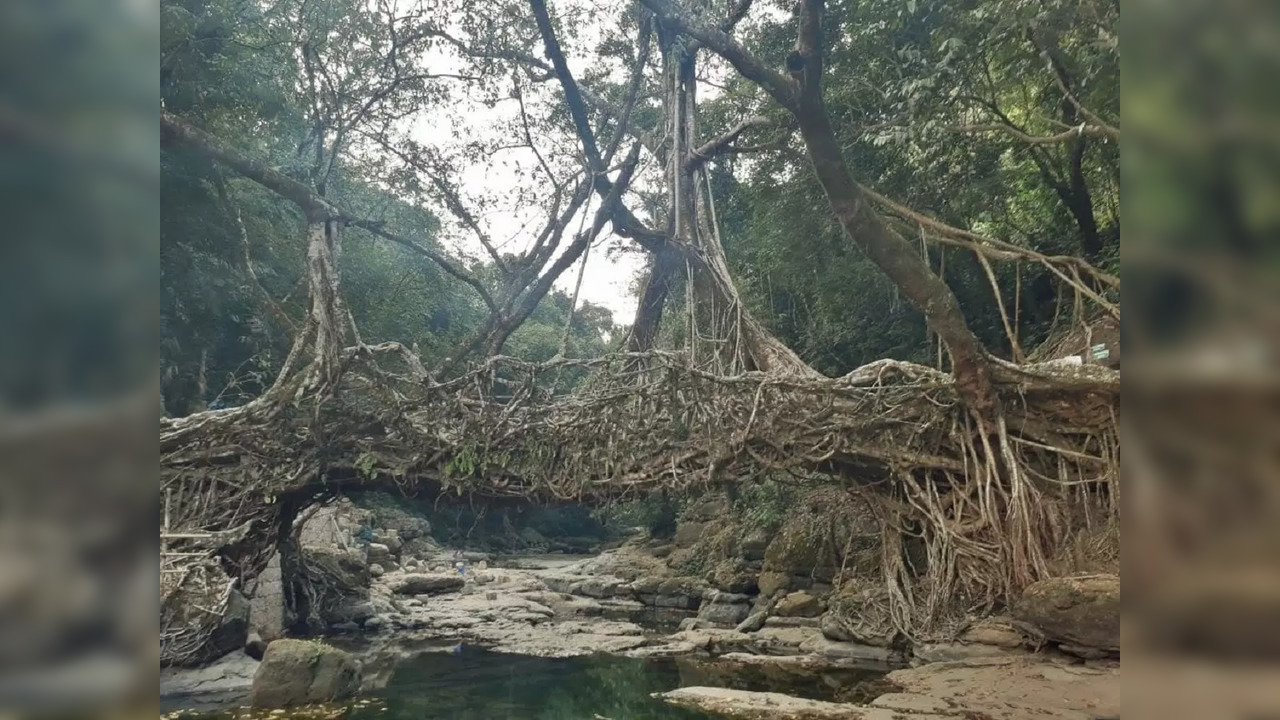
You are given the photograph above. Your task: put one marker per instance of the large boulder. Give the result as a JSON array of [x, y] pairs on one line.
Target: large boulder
[[1080, 610], [303, 672], [426, 583]]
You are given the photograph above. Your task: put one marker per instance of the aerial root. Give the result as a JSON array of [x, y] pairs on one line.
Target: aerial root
[[991, 498]]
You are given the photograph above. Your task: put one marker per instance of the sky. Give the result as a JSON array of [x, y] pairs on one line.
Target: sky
[[609, 274]]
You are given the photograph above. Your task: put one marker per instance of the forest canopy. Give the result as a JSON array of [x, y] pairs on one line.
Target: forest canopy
[[992, 122]]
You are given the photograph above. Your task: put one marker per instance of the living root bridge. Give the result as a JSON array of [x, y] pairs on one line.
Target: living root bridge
[[992, 499]]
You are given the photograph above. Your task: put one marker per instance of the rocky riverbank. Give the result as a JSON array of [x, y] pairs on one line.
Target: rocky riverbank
[[737, 598]]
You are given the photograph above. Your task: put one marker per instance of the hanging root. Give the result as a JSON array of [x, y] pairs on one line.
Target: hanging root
[[991, 500]]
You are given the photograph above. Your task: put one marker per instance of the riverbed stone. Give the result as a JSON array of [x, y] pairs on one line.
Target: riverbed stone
[[303, 672], [600, 587], [996, 631], [378, 554], [835, 650], [799, 604], [953, 652], [426, 584], [1079, 610], [749, 705], [1016, 687], [389, 538], [720, 612]]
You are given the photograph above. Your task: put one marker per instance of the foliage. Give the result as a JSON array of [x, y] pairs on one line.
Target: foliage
[[232, 255], [766, 503]]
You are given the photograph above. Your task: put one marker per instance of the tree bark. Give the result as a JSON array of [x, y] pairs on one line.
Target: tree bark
[[801, 93]]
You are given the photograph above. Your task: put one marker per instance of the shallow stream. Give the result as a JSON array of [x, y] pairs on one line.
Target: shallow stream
[[467, 683]]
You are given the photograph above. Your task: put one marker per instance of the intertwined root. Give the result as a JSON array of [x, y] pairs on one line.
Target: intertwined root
[[991, 497]]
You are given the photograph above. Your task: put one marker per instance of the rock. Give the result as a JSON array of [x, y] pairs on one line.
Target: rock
[[232, 631], [734, 578], [345, 571], [378, 553], [354, 610], [785, 640], [426, 584], [1080, 610], [748, 705], [661, 551], [347, 627], [696, 623], [419, 547], [229, 676], [600, 587], [771, 581], [1084, 653], [799, 604], [303, 672], [833, 628], [995, 631], [953, 652], [474, 557], [717, 612], [1016, 687], [687, 534], [376, 570], [754, 544], [254, 646], [912, 703], [390, 538], [680, 593], [779, 621], [719, 596], [375, 623]]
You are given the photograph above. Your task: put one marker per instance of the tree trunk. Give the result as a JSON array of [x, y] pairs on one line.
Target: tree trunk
[[801, 94], [739, 341]]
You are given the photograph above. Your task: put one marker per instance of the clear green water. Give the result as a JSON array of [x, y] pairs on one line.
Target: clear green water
[[475, 684]]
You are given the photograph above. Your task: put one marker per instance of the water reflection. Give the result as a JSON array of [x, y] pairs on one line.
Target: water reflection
[[466, 683]]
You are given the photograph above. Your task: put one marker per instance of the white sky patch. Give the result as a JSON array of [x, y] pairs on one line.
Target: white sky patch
[[496, 188]]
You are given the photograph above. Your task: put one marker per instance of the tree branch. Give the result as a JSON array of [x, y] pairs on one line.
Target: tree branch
[[783, 90], [625, 223], [176, 131], [716, 146]]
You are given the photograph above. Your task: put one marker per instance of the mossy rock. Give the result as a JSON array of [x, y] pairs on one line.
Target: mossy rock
[[303, 672]]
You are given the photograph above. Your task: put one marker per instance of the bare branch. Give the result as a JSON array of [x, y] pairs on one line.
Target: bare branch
[[633, 88], [782, 89], [721, 144]]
